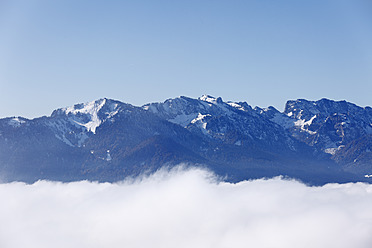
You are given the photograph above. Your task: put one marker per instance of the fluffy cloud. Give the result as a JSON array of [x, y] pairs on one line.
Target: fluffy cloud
[[185, 208]]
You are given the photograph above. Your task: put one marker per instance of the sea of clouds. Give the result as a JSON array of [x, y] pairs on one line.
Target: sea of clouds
[[185, 208]]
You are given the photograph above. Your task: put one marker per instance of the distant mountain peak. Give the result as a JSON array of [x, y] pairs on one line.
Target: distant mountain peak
[[90, 114], [16, 121], [211, 99], [86, 108]]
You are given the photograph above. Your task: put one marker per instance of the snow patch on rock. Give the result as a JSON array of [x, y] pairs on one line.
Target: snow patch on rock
[[16, 122], [303, 124], [201, 123], [89, 109]]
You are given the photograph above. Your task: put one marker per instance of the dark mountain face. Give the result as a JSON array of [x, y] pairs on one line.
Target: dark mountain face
[[330, 123], [108, 140], [226, 123], [336, 128]]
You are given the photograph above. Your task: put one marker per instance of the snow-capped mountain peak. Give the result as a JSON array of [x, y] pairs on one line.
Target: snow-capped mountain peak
[[73, 125], [91, 114], [243, 106], [86, 108], [211, 99], [89, 111]]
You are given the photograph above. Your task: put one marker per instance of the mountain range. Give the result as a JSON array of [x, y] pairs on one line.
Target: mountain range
[[316, 142]]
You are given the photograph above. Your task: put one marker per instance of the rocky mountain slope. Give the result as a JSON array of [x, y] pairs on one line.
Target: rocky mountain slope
[[107, 140], [333, 127]]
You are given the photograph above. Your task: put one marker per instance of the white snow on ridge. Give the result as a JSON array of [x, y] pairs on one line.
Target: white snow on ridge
[[16, 122], [207, 98], [178, 112], [81, 118], [90, 109], [219, 103], [235, 105], [146, 107]]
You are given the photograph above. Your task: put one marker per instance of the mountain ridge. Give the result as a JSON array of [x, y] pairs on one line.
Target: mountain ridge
[[101, 140]]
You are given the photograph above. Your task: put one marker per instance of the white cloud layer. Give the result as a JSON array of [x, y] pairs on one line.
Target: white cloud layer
[[185, 209]]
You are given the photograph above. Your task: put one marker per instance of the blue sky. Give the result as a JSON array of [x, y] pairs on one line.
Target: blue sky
[[58, 53]]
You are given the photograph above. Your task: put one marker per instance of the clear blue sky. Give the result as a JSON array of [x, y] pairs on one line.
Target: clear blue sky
[[58, 53]]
